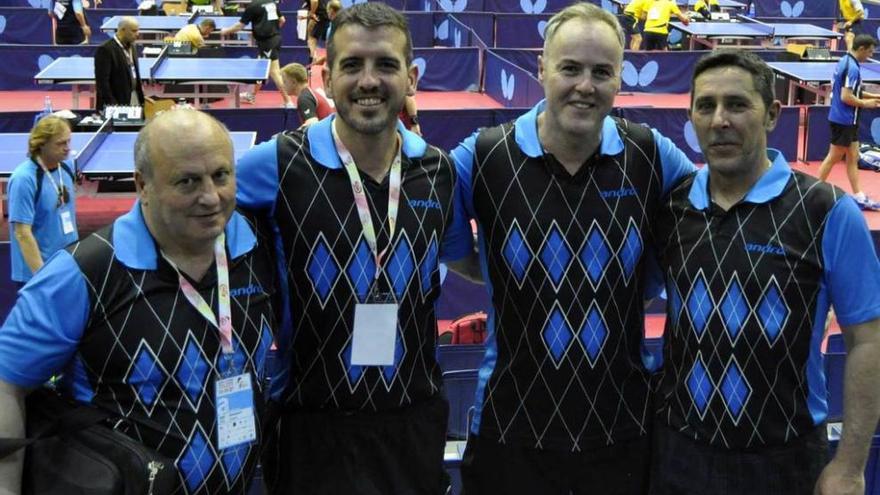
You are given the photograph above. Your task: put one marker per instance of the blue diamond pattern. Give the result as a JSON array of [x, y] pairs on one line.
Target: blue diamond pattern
[[699, 384], [361, 270], [734, 309], [354, 371], [772, 312], [631, 251], [557, 335], [233, 460], [699, 305], [192, 371], [429, 265], [735, 390], [389, 371], [595, 255], [516, 253], [146, 376], [593, 334], [555, 255], [401, 267], [196, 462], [322, 269]]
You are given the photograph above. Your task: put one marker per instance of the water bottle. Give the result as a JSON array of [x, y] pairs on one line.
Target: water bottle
[[47, 105], [752, 8]]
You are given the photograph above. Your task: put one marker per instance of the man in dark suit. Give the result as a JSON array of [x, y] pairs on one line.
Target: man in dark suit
[[117, 77]]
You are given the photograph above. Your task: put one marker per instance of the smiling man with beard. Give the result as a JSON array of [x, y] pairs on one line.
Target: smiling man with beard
[[363, 209], [564, 198], [754, 254]]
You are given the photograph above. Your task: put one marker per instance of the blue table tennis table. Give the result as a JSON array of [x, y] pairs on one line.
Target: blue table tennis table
[[815, 77], [161, 26], [711, 33], [109, 158], [202, 73]]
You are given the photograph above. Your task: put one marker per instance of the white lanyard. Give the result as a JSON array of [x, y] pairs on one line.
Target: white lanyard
[[58, 186]]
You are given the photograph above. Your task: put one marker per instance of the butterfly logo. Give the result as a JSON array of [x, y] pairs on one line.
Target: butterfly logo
[[542, 27], [453, 5], [441, 32], [690, 137], [508, 84], [44, 60], [2, 23], [422, 65], [789, 10], [634, 77], [533, 8], [456, 37], [42, 4]]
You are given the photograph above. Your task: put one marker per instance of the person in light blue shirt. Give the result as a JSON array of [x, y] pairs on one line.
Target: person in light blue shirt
[[42, 202]]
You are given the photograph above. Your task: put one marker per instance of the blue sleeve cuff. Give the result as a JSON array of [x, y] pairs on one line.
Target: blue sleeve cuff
[[43, 330], [256, 176], [674, 162], [852, 270]]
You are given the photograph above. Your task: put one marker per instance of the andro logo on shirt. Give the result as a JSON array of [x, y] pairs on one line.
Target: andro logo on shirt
[[424, 203], [248, 290], [618, 193], [765, 248]]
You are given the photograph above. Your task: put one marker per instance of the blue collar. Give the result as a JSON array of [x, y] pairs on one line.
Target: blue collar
[[768, 187], [526, 132], [323, 149], [135, 248]]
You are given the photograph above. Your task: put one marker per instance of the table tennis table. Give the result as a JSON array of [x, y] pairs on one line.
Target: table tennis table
[[711, 33], [815, 77], [202, 73], [161, 26]]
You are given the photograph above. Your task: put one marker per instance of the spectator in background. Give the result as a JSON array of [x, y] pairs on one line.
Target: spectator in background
[[657, 23], [266, 21], [117, 76], [333, 8], [634, 14], [71, 26], [311, 105], [851, 14], [42, 202], [706, 7], [195, 34]]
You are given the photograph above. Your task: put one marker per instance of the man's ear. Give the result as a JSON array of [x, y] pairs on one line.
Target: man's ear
[[141, 187], [328, 80], [772, 116]]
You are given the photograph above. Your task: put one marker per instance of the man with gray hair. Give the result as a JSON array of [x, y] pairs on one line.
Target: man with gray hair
[[151, 317], [564, 198], [117, 76]]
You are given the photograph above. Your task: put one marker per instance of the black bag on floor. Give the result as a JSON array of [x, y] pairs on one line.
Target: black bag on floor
[[71, 450]]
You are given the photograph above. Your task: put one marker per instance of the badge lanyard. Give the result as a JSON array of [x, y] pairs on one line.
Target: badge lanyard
[[59, 186], [224, 325], [360, 199]]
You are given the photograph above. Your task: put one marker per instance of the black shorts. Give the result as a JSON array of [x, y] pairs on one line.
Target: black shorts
[[331, 453], [843, 135], [655, 41], [682, 466], [69, 36], [490, 468], [319, 30], [855, 28], [269, 47], [630, 24]]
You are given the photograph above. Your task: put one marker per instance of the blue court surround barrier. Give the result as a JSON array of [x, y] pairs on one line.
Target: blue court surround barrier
[[819, 131]]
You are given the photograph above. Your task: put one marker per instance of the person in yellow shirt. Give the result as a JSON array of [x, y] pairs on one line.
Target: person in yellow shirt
[[196, 34], [851, 15], [706, 7], [634, 13], [657, 23]]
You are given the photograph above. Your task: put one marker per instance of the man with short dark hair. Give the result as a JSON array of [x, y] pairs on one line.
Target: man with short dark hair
[[364, 211], [847, 97], [754, 255], [117, 75], [564, 198], [150, 316]]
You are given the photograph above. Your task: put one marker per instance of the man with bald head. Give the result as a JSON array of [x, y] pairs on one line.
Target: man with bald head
[[117, 77], [146, 317], [564, 199]]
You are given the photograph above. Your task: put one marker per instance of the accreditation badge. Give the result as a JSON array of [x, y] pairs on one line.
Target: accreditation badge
[[236, 417]]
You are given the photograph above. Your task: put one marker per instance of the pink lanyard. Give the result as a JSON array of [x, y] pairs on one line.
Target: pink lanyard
[[223, 301], [360, 198]]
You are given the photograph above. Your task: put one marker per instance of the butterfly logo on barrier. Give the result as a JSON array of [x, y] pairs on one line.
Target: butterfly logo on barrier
[[542, 27], [508, 84], [2, 23], [348, 3], [42, 4], [690, 137], [878, 31], [533, 8], [422, 65], [789, 10], [634, 77], [453, 5], [427, 5], [44, 60], [674, 36], [441, 32], [875, 130]]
